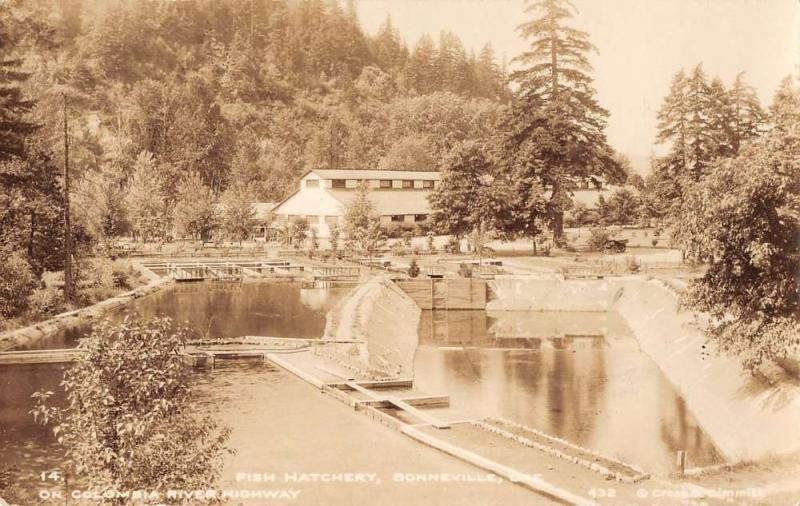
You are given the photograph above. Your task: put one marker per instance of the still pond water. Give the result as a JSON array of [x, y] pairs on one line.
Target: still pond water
[[590, 384], [215, 309]]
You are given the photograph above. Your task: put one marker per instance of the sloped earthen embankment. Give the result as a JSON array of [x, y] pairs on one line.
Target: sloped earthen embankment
[[746, 418], [376, 330]]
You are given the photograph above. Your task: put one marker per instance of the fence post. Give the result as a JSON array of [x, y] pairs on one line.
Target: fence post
[[681, 462]]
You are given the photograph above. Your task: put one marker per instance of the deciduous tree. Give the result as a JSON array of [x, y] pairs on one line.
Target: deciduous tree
[[238, 214], [195, 214], [362, 227], [129, 423]]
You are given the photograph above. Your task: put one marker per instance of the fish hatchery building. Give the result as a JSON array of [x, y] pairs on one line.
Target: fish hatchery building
[[398, 196]]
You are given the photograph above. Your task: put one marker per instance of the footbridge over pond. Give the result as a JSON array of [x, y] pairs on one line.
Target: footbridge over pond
[[221, 270]]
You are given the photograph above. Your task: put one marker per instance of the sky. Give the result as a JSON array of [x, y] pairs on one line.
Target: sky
[[641, 45]]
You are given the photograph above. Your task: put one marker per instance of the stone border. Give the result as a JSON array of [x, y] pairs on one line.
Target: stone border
[[593, 466]]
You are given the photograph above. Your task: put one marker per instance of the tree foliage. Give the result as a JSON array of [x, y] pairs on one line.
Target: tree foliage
[[556, 124], [195, 214], [473, 196], [147, 199], [743, 219], [238, 214], [362, 228], [128, 423], [701, 121]]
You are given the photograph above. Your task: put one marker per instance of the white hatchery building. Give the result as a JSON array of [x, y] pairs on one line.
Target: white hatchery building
[[398, 196]]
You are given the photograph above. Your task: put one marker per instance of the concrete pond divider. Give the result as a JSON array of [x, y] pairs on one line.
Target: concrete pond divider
[[745, 417], [37, 331]]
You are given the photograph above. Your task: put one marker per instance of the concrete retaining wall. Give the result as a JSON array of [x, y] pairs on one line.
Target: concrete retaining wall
[[746, 418], [552, 293], [384, 319], [33, 333]]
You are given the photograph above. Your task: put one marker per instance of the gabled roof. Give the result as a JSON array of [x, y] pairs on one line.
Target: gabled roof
[[390, 203], [263, 209], [374, 174]]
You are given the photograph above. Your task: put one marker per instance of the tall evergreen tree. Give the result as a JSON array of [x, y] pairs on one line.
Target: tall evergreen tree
[[747, 114], [422, 66], [702, 121], [14, 106], [388, 48], [555, 116]]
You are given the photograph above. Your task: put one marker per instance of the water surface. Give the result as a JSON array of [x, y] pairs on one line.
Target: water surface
[[215, 309], [578, 376], [225, 309]]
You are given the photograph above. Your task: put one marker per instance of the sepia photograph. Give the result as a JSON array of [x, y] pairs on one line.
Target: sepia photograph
[[400, 252]]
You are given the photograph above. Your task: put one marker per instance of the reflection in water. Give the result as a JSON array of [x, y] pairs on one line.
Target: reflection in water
[[273, 309], [600, 392], [224, 309]]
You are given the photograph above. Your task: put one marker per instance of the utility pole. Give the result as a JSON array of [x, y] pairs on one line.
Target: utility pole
[[68, 280]]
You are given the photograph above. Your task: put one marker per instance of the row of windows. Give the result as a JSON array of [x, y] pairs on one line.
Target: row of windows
[[383, 183], [333, 220], [417, 218]]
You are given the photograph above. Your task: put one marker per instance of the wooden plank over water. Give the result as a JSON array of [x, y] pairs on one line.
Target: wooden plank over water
[[39, 356], [400, 404]]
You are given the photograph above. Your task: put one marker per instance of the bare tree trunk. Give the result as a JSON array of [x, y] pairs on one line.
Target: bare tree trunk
[[31, 234], [68, 281]]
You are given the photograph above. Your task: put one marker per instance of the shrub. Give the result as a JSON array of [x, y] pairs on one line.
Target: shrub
[[431, 246], [413, 269], [122, 274], [46, 300], [397, 248], [654, 242], [598, 237], [17, 281], [632, 264], [465, 270], [453, 245], [398, 229], [407, 236], [129, 391]]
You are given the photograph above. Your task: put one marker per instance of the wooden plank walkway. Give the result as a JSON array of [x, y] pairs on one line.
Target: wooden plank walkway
[[59, 356], [195, 355]]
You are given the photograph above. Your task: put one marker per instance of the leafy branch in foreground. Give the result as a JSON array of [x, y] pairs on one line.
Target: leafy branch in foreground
[[128, 424]]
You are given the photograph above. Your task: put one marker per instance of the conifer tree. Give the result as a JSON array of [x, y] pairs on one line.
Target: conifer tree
[[556, 118], [747, 114]]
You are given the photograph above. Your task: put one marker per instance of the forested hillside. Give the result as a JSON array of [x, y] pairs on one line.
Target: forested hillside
[[238, 94]]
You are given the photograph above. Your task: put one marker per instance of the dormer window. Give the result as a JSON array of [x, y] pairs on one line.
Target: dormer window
[[339, 183], [427, 183], [312, 183], [408, 183], [386, 183]]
